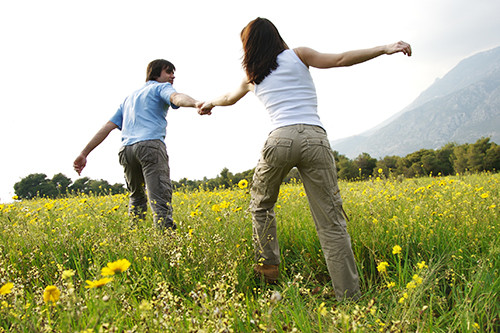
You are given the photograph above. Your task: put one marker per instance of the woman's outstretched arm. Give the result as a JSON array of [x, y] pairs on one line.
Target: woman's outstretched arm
[[317, 59], [229, 98]]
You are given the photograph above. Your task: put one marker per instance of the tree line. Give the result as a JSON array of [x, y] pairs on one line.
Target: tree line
[[450, 159], [38, 185]]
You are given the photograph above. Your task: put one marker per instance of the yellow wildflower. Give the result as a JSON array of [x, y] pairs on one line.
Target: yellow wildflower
[[484, 195], [422, 265], [118, 266], [66, 274], [396, 249], [6, 288], [243, 184], [382, 267], [417, 279], [98, 283], [411, 285], [51, 294], [322, 309], [15, 197]]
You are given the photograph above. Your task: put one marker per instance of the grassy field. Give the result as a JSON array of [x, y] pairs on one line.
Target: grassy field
[[427, 251]]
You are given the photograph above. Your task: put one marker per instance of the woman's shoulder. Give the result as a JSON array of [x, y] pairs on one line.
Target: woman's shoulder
[[294, 55]]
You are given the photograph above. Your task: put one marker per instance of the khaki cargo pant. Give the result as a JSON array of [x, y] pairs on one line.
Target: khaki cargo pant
[[307, 148], [145, 165]]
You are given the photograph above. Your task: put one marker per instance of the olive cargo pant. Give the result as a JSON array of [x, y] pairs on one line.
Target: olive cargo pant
[[145, 165], [307, 148]]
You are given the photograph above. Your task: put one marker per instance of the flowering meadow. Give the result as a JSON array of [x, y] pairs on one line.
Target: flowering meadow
[[427, 251]]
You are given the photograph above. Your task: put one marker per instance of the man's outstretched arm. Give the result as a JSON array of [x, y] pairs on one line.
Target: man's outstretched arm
[[99, 137], [184, 100]]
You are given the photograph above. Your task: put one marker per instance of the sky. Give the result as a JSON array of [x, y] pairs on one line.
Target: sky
[[66, 66]]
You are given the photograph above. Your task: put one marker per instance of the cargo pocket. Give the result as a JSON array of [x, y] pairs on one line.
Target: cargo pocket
[[320, 153], [122, 156], [277, 151], [147, 154]]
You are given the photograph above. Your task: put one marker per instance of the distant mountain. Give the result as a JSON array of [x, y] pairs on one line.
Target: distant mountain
[[461, 107]]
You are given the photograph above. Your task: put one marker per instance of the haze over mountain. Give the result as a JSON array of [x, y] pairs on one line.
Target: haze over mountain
[[462, 107]]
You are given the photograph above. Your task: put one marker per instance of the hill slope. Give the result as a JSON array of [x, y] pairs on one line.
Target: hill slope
[[461, 107]]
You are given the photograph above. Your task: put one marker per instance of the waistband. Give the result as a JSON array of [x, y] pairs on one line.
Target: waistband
[[300, 127]]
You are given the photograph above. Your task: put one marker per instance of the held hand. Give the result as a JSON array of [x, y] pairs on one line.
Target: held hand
[[198, 104], [206, 108], [79, 163], [399, 47]]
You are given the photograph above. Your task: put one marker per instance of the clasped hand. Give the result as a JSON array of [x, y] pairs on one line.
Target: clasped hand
[[205, 108]]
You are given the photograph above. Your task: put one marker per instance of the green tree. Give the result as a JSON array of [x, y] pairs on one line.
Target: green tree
[[118, 188], [460, 159], [388, 164], [248, 175], [34, 185], [347, 170], [445, 157], [186, 184], [430, 163], [492, 158], [225, 178], [81, 185], [413, 164], [99, 187], [61, 182], [476, 154], [365, 164]]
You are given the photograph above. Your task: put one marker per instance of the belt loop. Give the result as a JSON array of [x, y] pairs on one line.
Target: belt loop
[[301, 128]]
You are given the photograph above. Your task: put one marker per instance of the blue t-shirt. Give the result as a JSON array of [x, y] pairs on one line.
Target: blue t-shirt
[[143, 114]]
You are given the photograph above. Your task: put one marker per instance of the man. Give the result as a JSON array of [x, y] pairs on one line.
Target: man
[[143, 155]]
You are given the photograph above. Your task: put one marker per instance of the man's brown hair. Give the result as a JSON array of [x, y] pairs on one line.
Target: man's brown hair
[[156, 66]]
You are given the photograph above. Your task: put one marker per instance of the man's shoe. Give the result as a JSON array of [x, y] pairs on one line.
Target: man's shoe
[[269, 273]]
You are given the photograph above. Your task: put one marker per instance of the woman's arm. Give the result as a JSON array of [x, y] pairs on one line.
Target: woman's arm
[[317, 59], [229, 98]]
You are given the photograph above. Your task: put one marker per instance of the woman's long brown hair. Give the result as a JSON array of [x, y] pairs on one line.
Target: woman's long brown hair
[[261, 45]]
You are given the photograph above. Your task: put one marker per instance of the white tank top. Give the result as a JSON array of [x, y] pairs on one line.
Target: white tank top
[[288, 93]]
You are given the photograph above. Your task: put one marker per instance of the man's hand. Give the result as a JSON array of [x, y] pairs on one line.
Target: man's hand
[[206, 108], [79, 163], [199, 106], [81, 160]]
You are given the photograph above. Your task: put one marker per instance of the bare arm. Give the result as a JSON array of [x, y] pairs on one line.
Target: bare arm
[[184, 100], [99, 137], [229, 98], [317, 59]]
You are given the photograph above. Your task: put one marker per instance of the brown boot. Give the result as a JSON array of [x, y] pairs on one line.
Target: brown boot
[[269, 273]]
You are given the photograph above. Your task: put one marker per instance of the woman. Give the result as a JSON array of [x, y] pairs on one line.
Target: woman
[[280, 78]]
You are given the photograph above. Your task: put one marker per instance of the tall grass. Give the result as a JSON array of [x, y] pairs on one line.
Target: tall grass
[[427, 251]]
